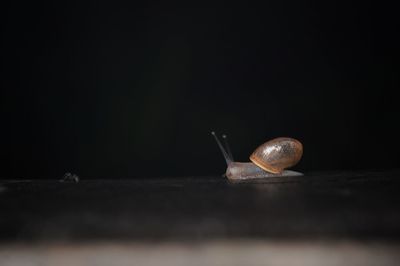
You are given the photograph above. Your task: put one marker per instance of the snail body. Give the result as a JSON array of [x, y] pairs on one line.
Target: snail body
[[268, 160]]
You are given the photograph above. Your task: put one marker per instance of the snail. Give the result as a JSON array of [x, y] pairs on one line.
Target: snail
[[268, 160]]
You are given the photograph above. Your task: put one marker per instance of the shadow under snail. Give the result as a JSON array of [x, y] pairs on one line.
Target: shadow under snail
[[268, 160]]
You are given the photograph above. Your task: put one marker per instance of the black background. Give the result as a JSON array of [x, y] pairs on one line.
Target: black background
[[109, 89]]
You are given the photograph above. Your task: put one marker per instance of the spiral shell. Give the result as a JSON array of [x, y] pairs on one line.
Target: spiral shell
[[277, 154]]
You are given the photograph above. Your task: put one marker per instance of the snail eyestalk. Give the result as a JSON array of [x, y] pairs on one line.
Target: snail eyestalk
[[226, 156], [228, 148]]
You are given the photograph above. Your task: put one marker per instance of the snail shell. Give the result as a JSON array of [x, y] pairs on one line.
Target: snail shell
[[277, 154]]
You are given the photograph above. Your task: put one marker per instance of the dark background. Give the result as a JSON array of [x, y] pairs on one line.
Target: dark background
[[107, 89]]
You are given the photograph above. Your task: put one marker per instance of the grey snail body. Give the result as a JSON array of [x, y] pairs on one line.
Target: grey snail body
[[268, 160]]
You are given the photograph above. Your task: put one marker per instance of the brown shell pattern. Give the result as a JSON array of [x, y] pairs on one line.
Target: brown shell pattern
[[277, 154]]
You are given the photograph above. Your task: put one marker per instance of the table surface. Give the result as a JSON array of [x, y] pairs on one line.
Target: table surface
[[326, 205]]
